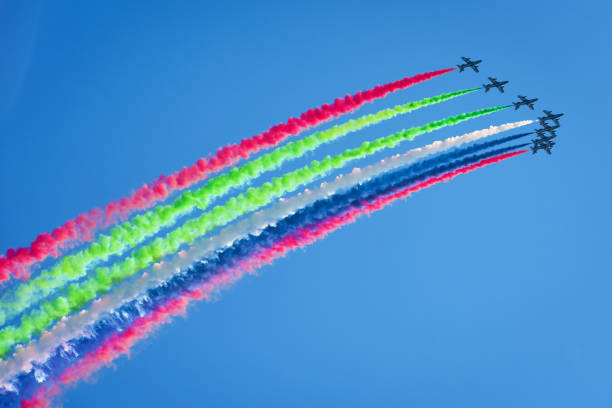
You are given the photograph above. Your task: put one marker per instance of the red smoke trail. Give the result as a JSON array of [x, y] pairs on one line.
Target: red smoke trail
[[114, 347], [120, 343], [18, 261], [307, 235]]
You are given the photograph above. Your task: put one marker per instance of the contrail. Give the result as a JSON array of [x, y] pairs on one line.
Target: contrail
[[79, 294], [131, 233], [72, 326], [322, 208], [121, 342], [17, 262]]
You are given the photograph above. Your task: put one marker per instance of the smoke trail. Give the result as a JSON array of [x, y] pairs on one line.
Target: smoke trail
[[68, 328], [120, 343], [136, 311], [384, 184], [143, 226], [71, 327], [38, 350], [18, 261], [80, 294]]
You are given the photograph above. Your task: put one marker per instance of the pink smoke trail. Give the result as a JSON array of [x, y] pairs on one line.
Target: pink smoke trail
[[121, 343], [18, 261]]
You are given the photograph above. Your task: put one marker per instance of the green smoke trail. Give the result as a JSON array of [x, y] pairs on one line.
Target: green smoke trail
[[129, 234], [79, 294]]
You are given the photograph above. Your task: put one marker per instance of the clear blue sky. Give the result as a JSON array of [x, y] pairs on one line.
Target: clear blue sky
[[490, 291]]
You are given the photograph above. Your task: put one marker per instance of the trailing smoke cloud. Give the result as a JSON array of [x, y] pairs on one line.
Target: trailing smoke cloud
[[325, 208], [143, 226], [18, 261], [99, 314], [38, 350], [78, 295], [297, 230]]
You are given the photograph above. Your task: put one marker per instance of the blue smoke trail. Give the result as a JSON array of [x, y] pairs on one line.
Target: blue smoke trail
[[194, 276]]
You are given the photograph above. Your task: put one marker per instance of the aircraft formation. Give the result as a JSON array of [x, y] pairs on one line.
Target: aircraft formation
[[545, 134]]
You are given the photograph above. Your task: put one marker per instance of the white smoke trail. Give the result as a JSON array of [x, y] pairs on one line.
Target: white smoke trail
[[76, 325]]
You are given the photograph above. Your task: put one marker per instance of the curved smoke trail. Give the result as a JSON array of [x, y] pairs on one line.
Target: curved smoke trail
[[72, 326], [131, 233], [323, 208], [18, 261], [79, 294], [120, 343]]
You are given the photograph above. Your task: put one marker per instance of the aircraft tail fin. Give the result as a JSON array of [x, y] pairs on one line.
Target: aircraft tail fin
[[460, 68], [516, 105]]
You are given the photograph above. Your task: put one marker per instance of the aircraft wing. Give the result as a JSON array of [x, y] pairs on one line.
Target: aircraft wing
[[466, 59], [475, 68]]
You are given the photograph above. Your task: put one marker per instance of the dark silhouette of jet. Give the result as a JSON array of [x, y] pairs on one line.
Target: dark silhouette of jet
[[469, 64], [495, 84], [524, 101], [546, 126], [545, 144], [550, 116], [551, 130], [542, 138]]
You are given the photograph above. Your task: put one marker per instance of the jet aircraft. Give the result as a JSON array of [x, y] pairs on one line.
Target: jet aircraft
[[550, 116], [542, 138], [539, 144], [495, 84], [546, 126], [469, 64], [524, 101], [551, 130]]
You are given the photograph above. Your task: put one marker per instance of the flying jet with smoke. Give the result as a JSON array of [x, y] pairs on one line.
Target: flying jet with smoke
[[495, 84], [551, 130], [544, 143], [550, 116], [469, 64], [524, 101]]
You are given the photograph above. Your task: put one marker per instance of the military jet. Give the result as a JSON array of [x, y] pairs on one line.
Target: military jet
[[495, 84], [546, 126], [469, 64], [551, 130], [545, 145], [550, 116], [524, 101], [542, 138]]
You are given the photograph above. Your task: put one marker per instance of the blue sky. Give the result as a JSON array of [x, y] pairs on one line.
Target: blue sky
[[491, 290]]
